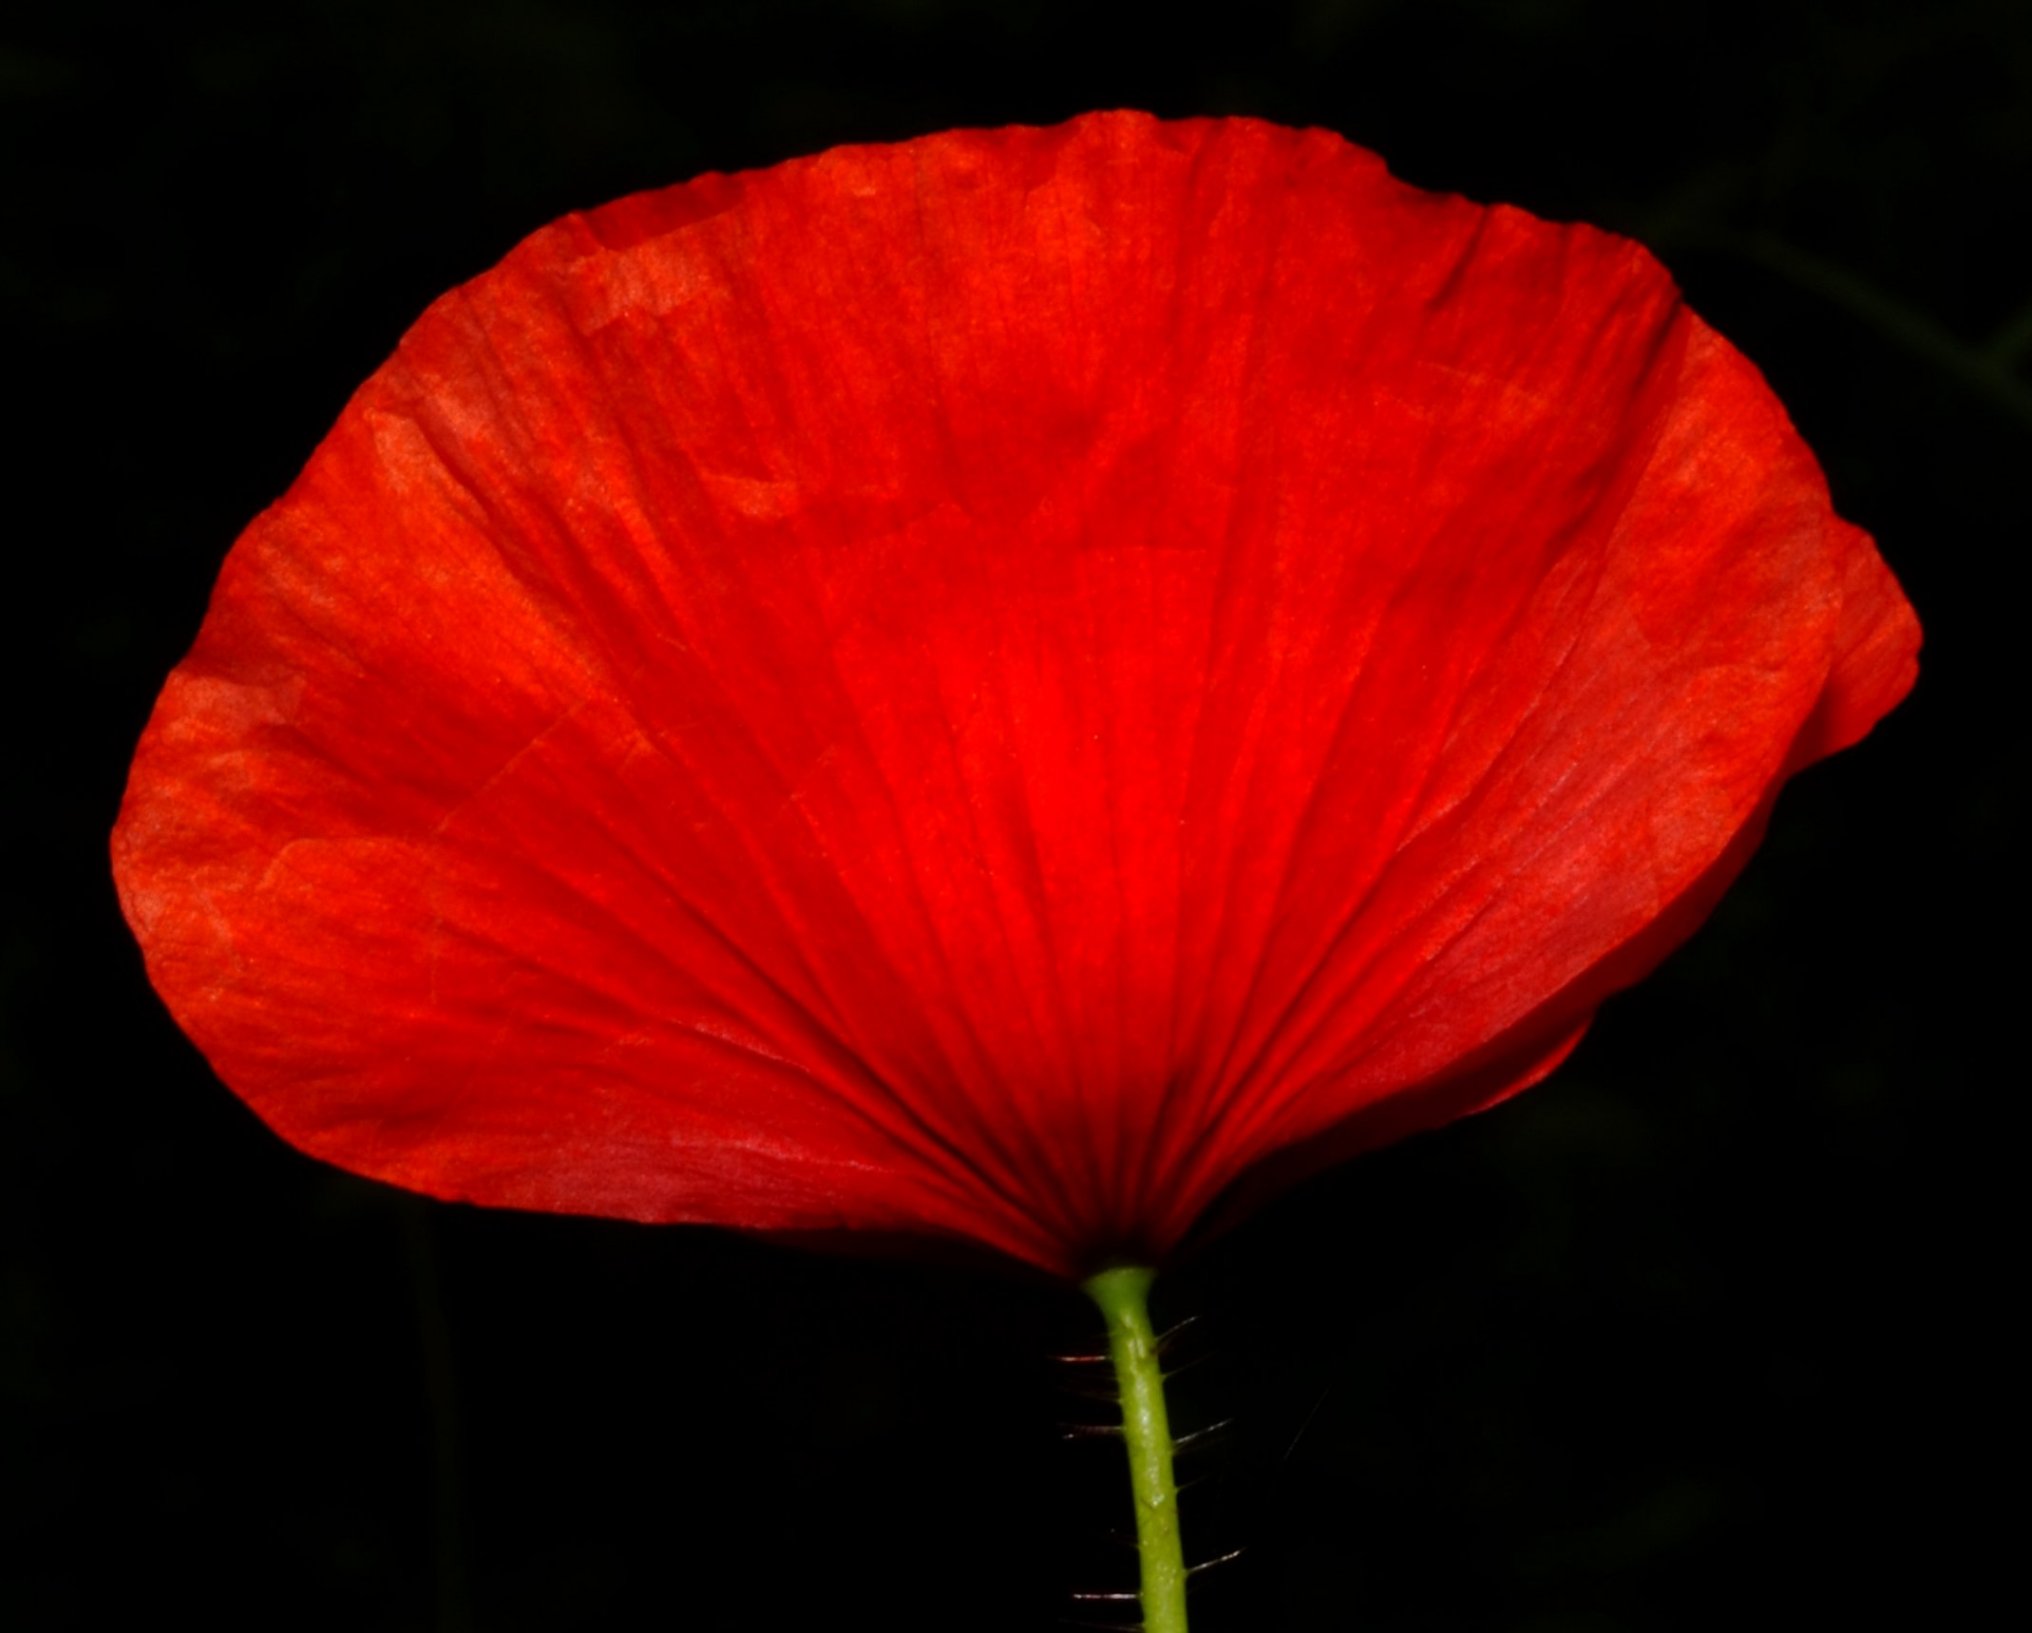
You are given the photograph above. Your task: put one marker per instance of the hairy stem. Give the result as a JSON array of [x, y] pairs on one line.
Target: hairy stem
[[1124, 1298]]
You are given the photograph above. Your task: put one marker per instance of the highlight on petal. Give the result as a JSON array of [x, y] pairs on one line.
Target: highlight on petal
[[1000, 687]]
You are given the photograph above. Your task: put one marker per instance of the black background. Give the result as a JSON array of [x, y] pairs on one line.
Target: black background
[[1706, 1327]]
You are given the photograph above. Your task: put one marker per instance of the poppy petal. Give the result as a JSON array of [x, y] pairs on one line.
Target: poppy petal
[[989, 687]]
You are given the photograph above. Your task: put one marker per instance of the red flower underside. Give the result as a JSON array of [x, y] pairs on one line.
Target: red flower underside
[[989, 687]]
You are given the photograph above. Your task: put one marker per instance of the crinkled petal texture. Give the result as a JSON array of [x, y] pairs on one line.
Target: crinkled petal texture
[[1001, 687]]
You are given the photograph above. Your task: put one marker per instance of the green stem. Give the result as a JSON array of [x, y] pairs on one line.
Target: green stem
[[1124, 1298]]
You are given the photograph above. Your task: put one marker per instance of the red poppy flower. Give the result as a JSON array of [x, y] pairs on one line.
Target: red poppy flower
[[1009, 687]]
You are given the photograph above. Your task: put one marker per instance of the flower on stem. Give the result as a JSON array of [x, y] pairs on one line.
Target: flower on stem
[[1021, 687]]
